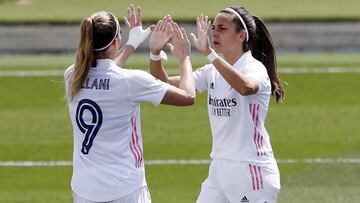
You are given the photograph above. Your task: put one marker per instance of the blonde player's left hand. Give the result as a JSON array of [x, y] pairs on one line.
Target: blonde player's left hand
[[133, 20]]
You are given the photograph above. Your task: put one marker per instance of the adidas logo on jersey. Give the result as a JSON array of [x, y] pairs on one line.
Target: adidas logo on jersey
[[244, 199], [212, 86]]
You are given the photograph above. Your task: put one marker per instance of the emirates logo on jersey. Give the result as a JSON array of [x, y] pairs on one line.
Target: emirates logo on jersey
[[224, 102], [221, 107]]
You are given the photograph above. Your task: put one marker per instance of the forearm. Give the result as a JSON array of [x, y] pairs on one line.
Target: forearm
[[125, 52], [157, 69], [244, 85], [186, 81]]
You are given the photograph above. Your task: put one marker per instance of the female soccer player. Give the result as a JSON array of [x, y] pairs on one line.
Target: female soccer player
[[239, 85], [104, 103]]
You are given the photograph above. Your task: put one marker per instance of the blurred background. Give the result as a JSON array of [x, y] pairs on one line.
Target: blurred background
[[315, 133]]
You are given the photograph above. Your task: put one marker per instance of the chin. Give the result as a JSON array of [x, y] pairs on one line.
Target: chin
[[217, 48]]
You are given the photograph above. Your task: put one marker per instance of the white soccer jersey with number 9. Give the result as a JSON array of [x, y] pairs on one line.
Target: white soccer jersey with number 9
[[108, 150]]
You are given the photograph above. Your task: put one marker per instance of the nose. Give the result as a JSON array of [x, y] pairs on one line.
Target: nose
[[214, 34]]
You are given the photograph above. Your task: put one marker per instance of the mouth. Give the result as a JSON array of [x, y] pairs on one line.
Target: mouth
[[216, 43]]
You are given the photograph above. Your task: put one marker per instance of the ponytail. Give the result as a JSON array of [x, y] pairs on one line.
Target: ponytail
[[259, 41], [84, 58], [262, 48]]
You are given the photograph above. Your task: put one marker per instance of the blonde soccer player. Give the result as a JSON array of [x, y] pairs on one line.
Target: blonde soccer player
[[104, 104], [239, 81]]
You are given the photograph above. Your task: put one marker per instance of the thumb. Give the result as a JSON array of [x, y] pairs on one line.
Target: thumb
[[168, 39], [170, 46], [193, 37], [127, 22], [152, 27]]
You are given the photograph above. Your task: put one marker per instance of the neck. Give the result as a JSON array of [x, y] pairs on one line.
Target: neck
[[108, 54], [232, 57]]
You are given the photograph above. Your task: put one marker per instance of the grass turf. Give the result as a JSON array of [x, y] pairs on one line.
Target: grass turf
[[318, 119]]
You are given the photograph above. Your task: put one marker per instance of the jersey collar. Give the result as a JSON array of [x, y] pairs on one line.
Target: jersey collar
[[104, 63], [243, 60]]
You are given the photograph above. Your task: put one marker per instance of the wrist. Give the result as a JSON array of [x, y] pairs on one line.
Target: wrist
[[155, 52], [212, 56], [208, 51], [157, 57]]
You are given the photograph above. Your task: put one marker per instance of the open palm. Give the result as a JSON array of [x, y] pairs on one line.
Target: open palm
[[201, 41], [160, 35]]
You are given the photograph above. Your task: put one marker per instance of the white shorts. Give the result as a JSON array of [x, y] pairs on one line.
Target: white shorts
[[141, 195], [230, 182]]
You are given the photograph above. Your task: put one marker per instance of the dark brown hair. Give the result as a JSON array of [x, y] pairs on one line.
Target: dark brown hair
[[261, 45]]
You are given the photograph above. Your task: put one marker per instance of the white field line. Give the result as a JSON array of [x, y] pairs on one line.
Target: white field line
[[189, 162], [45, 73], [31, 73]]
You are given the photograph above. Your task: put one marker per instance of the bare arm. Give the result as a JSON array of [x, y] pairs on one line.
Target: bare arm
[[241, 83], [133, 21], [159, 38], [185, 93]]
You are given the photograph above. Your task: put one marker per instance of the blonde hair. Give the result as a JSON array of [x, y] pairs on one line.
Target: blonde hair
[[96, 35]]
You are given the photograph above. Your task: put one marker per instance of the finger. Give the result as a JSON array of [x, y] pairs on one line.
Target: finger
[[198, 26], [183, 32], [208, 25], [167, 28], [158, 25], [202, 21], [132, 12], [164, 24], [178, 32], [168, 38], [139, 14], [193, 37], [126, 21], [128, 12]]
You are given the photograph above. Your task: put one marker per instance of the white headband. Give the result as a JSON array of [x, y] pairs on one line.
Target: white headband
[[242, 21], [116, 34]]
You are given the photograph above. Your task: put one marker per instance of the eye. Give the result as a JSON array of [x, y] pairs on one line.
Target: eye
[[213, 27]]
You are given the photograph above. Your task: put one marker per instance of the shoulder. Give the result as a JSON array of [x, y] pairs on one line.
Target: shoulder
[[69, 70], [137, 74], [254, 66], [204, 69], [140, 78]]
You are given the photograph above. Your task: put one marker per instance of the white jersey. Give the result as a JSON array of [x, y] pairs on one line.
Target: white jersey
[[237, 122], [108, 150]]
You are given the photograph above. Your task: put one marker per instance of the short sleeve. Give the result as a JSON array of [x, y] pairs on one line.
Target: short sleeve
[[67, 75], [201, 78], [258, 72], [146, 88]]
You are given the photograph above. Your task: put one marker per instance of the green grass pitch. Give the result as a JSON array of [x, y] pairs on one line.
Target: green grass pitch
[[319, 119]]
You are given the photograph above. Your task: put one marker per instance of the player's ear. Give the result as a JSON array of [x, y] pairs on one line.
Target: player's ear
[[241, 35], [117, 41]]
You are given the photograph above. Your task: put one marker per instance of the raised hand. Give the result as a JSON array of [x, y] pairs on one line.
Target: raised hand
[[179, 44], [201, 41], [160, 35], [136, 35], [134, 17]]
